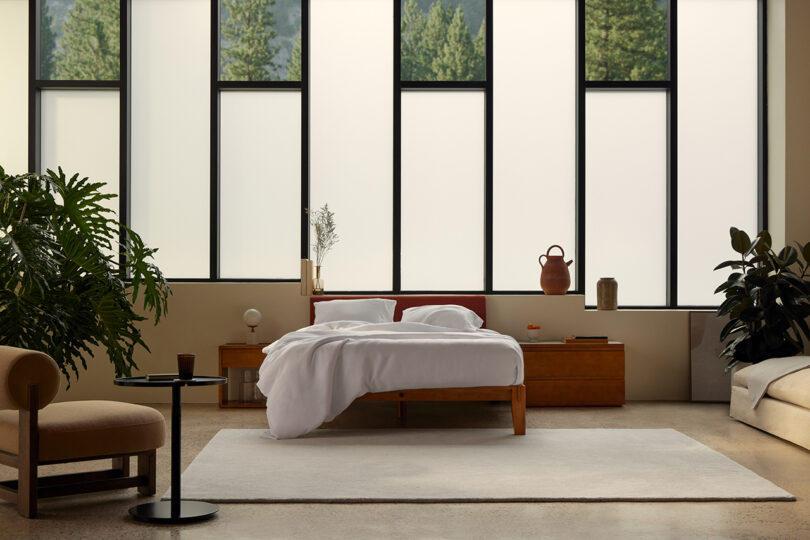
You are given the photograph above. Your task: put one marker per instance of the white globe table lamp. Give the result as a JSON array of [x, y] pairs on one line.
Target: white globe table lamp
[[252, 318]]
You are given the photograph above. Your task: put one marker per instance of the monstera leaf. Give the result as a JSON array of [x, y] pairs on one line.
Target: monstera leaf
[[70, 274]]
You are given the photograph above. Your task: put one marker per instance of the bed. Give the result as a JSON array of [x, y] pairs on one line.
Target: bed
[[311, 375]]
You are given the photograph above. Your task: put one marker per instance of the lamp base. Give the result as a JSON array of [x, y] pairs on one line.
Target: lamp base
[[252, 337]]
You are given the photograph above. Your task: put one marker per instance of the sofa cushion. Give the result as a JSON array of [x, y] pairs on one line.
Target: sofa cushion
[[740, 377], [793, 388], [83, 429]]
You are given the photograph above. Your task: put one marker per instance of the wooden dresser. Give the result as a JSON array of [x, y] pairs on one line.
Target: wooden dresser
[[234, 358], [571, 374]]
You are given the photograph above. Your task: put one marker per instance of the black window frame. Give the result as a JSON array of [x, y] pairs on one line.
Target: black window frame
[[36, 86]]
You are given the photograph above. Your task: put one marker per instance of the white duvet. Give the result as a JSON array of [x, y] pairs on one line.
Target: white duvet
[[311, 375]]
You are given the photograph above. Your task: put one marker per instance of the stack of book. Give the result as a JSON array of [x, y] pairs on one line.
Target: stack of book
[[585, 339]]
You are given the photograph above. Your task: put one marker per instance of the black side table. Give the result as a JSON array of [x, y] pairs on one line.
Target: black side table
[[174, 510]]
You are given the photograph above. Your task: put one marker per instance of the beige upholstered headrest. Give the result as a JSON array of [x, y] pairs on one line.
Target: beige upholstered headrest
[[20, 368]]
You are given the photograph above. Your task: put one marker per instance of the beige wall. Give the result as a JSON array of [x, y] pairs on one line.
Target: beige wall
[[14, 86], [797, 121], [776, 121]]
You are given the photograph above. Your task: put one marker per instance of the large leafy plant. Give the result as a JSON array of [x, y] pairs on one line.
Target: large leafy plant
[[767, 299], [70, 274]]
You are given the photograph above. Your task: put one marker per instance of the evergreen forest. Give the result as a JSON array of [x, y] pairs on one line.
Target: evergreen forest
[[440, 40], [438, 44], [626, 40]]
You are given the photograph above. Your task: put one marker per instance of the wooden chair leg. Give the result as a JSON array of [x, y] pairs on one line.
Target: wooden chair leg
[[147, 466], [28, 455], [121, 463], [519, 409]]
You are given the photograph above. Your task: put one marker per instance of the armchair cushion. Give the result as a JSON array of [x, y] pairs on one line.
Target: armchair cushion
[[20, 368], [85, 429]]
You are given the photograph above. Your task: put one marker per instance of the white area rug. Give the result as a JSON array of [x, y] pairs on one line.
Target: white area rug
[[469, 465]]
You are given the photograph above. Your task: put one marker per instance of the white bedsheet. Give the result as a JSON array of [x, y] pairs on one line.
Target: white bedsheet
[[311, 375]]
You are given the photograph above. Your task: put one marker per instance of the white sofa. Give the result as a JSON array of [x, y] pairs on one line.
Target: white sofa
[[784, 411]]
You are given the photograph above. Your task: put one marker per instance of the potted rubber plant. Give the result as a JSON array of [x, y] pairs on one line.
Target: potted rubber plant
[[70, 274], [767, 300]]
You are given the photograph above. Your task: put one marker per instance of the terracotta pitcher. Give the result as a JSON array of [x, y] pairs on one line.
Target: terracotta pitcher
[[554, 278]]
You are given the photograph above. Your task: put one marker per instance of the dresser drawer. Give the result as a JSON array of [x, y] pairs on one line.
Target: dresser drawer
[[241, 358], [559, 364], [572, 392]]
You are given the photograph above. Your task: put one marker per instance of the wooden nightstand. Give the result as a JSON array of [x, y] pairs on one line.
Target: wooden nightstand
[[233, 359], [571, 374]]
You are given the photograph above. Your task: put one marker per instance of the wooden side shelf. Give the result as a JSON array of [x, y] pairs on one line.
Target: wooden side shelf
[[233, 358], [573, 374]]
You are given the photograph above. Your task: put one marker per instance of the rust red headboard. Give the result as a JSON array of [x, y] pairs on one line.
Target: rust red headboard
[[476, 303]]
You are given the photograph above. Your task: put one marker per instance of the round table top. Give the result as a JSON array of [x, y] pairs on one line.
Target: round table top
[[197, 380]]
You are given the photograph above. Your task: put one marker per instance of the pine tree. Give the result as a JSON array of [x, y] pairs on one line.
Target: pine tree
[[625, 40], [47, 44], [248, 30], [294, 62], [480, 48], [90, 42], [456, 61], [413, 64], [435, 37]]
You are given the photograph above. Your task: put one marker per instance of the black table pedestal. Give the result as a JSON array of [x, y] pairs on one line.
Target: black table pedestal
[[161, 512], [174, 510]]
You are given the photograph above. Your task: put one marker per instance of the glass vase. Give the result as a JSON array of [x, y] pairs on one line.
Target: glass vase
[[317, 283]]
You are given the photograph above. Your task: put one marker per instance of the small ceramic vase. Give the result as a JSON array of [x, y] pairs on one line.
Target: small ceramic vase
[[606, 289]]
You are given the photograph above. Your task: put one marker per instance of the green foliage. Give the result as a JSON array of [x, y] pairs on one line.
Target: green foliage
[[625, 40], [456, 59], [439, 46], [248, 31], [294, 63], [767, 299], [90, 42], [480, 52], [47, 47], [61, 280], [323, 220]]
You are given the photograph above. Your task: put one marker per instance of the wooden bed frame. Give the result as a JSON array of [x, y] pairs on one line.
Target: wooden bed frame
[[515, 394]]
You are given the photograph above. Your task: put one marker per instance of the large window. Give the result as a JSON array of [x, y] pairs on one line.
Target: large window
[[80, 40], [442, 40], [454, 146], [260, 40]]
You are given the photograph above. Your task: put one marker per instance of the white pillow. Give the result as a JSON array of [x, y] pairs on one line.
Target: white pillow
[[373, 310], [447, 315]]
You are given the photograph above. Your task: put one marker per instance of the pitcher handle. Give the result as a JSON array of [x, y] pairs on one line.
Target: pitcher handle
[[555, 246], [540, 260]]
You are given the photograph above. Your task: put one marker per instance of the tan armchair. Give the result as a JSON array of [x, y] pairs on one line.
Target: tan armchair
[[34, 433]]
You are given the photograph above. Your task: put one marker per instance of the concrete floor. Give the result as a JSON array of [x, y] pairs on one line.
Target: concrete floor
[[104, 515]]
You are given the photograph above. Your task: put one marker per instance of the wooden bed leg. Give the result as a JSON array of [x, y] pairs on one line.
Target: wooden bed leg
[[519, 409], [401, 410]]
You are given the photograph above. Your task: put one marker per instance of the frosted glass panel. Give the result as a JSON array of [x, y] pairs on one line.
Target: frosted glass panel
[[80, 134], [14, 89], [170, 132], [260, 184], [351, 137], [717, 139], [534, 138], [626, 179], [442, 191]]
